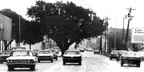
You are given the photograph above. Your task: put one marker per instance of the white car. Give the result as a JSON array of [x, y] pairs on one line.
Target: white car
[[131, 58], [72, 56], [45, 55], [21, 59]]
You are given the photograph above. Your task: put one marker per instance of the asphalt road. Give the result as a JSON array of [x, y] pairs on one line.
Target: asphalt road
[[90, 63]]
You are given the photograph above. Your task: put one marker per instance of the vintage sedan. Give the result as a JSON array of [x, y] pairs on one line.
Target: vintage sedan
[[45, 55], [72, 56], [131, 58], [114, 54], [21, 59], [4, 55], [120, 52]]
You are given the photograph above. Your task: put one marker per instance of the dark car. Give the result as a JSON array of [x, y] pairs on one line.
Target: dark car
[[114, 54], [21, 59], [55, 54], [35, 51], [72, 56], [45, 55], [96, 51], [131, 58], [4, 55], [120, 52]]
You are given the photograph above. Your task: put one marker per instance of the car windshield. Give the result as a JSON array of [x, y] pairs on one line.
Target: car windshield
[[114, 52], [22, 53], [44, 52], [131, 53], [72, 52]]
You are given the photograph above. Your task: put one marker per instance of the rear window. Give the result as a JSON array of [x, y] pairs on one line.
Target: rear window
[[72, 52], [114, 51], [44, 52], [22, 53]]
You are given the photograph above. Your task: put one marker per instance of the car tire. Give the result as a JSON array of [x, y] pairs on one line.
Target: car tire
[[10, 68], [32, 68], [1, 61], [64, 63], [138, 64], [121, 63], [110, 58], [117, 60], [38, 60], [56, 59], [52, 60], [80, 63]]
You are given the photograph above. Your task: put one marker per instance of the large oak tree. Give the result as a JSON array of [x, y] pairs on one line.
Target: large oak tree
[[65, 23]]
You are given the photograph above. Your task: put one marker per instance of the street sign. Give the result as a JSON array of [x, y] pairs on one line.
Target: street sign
[[137, 35], [5, 27]]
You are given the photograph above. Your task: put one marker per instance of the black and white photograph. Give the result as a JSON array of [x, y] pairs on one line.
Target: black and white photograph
[[71, 36]]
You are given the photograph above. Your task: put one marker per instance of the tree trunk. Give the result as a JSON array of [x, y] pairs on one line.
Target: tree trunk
[[30, 46], [5, 44]]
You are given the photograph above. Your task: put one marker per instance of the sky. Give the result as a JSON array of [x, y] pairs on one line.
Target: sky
[[115, 10]]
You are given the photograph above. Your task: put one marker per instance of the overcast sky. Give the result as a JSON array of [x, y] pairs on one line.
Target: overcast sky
[[114, 9]]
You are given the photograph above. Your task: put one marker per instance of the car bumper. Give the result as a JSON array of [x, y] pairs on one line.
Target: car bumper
[[45, 58], [71, 60], [21, 64], [130, 61]]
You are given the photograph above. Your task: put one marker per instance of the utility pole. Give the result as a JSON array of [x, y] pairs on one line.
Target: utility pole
[[127, 33], [123, 26], [106, 34]]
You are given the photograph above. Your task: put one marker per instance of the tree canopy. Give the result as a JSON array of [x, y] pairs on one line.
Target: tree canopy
[[65, 23]]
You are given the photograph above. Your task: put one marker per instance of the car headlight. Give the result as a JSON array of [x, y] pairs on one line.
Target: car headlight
[[28, 61], [9, 61], [32, 61]]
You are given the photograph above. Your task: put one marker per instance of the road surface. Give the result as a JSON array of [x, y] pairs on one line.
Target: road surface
[[90, 63]]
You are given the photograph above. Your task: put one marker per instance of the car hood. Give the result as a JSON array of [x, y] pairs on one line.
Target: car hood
[[130, 56], [71, 55], [21, 57]]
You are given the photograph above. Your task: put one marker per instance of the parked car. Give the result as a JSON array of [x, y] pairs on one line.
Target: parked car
[[35, 51], [4, 55], [96, 51], [45, 55], [55, 54], [89, 49], [120, 52], [131, 58], [21, 59], [114, 54], [72, 56]]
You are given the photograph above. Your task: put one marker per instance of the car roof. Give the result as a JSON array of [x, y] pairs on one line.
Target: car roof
[[21, 50], [72, 50]]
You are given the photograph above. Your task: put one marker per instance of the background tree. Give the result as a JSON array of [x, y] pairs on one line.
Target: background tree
[[32, 33], [65, 23], [116, 39]]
